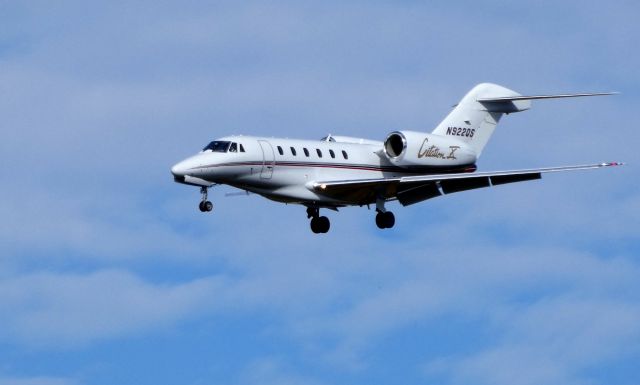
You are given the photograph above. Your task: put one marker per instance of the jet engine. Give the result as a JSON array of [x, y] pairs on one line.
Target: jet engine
[[409, 149]]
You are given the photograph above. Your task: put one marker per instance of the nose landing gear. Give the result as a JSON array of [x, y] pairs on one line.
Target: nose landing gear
[[318, 224], [205, 205]]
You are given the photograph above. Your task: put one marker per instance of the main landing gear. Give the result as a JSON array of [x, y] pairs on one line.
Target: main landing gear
[[318, 224], [384, 219], [205, 205]]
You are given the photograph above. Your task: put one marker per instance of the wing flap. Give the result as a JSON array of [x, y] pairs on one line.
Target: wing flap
[[504, 179], [463, 184], [408, 195]]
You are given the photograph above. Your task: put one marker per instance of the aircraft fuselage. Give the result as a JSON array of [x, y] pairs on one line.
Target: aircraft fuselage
[[285, 169]]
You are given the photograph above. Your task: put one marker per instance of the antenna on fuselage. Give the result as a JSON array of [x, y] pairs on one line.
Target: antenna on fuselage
[[328, 138]]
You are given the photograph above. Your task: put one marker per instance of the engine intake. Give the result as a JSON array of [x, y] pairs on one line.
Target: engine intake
[[395, 145]]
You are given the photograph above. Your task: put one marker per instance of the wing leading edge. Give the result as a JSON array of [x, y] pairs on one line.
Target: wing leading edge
[[413, 189]]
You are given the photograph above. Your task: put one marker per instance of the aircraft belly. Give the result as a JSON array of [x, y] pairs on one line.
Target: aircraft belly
[[286, 184], [290, 184], [354, 196]]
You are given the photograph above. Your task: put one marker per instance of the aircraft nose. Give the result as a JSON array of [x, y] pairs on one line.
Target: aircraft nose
[[179, 169]]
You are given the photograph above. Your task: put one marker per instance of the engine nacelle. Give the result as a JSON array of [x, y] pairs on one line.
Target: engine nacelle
[[410, 149]]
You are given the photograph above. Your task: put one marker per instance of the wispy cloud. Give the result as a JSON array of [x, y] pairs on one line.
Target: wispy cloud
[[48, 309]]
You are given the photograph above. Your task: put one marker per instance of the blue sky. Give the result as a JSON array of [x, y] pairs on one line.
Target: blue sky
[[109, 273]]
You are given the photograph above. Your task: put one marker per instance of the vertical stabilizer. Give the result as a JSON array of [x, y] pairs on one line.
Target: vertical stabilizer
[[474, 119]]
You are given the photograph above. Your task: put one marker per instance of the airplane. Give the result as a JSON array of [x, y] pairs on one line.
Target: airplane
[[341, 171]]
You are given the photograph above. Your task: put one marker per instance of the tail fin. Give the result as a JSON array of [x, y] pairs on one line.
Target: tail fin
[[476, 116], [473, 120]]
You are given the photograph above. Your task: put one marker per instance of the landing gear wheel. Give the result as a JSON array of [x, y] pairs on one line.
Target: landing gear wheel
[[385, 220], [324, 224], [315, 225], [205, 206], [389, 219], [320, 224]]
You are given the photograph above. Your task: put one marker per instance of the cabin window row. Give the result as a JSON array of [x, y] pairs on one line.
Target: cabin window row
[[307, 153]]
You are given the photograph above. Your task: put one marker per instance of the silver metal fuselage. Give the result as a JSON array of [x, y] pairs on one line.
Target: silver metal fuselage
[[269, 167]]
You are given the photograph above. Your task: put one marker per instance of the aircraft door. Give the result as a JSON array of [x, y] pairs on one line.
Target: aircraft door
[[268, 159]]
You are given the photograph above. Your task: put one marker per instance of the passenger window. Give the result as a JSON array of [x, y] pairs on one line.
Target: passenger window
[[344, 154], [306, 152], [233, 147], [319, 153], [293, 151], [333, 155], [241, 148], [280, 150]]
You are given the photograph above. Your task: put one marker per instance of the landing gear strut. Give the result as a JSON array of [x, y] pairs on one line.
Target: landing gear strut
[[318, 224], [205, 205]]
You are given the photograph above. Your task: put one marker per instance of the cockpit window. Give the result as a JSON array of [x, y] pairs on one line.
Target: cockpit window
[[218, 146], [233, 147]]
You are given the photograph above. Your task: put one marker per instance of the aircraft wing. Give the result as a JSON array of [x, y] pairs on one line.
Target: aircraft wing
[[413, 189]]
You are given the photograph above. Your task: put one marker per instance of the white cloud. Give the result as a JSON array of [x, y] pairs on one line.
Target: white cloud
[[553, 341], [561, 311], [47, 309], [573, 307]]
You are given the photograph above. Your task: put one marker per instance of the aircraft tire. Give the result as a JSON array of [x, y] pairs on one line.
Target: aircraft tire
[[208, 206], [389, 219], [315, 225], [385, 220], [324, 224], [320, 224], [201, 207]]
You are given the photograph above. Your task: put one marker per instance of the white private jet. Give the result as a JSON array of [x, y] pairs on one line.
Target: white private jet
[[340, 171]]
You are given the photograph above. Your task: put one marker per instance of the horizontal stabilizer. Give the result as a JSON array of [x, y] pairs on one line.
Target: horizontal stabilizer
[[532, 97], [518, 103]]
